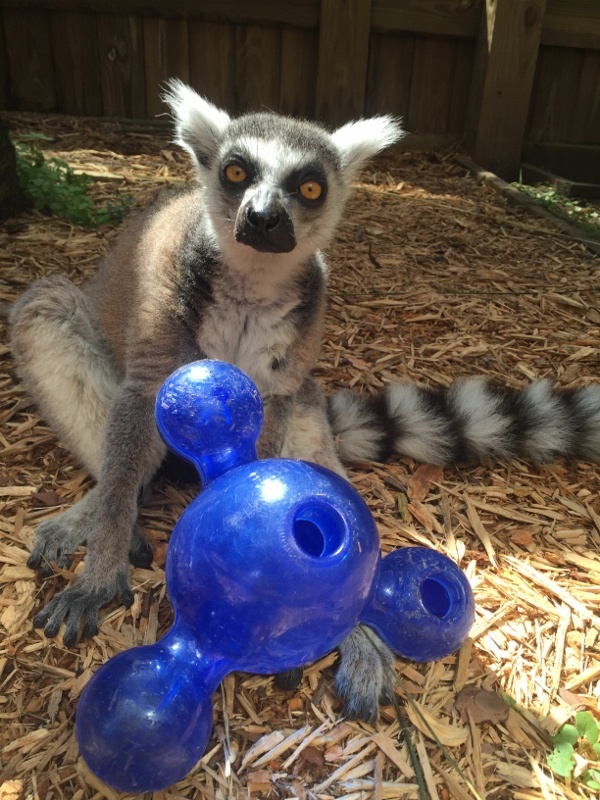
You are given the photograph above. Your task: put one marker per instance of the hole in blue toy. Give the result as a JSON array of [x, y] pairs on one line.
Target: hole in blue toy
[[436, 597], [309, 537], [319, 531]]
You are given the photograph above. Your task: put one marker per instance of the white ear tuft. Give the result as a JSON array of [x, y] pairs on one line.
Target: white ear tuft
[[198, 123], [358, 141]]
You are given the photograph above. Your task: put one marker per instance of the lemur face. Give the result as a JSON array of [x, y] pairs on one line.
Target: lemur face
[[278, 183], [273, 185]]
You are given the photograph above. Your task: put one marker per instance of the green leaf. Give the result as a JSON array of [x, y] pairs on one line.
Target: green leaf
[[568, 733], [596, 748], [510, 701], [591, 778], [587, 726], [57, 189], [37, 136], [561, 760]]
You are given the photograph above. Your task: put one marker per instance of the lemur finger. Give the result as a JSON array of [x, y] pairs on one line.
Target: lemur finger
[[141, 552], [91, 625], [50, 618], [40, 619], [34, 560], [124, 590], [54, 542]]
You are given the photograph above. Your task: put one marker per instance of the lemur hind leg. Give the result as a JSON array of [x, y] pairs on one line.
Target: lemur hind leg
[[65, 365], [366, 675], [69, 371], [308, 436]]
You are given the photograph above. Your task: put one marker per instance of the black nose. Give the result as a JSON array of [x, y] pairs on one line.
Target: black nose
[[263, 222], [267, 229]]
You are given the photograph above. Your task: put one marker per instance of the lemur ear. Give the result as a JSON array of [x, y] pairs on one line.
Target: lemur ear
[[358, 141], [199, 124]]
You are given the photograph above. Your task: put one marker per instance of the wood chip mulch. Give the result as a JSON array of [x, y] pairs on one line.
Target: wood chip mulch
[[432, 276]]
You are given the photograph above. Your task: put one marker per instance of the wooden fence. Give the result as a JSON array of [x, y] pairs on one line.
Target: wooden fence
[[491, 72]]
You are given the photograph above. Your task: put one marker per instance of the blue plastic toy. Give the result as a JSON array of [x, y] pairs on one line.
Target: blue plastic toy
[[269, 568]]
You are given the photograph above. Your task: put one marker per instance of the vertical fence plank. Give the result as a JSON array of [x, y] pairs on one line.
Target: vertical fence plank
[[212, 62], [389, 74], [299, 57], [120, 42], [76, 60], [566, 106], [432, 82], [166, 55], [463, 68], [586, 119], [258, 66], [343, 59], [503, 77], [29, 55], [556, 94], [4, 95]]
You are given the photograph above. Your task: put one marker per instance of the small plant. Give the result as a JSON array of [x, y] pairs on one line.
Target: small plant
[[582, 213], [57, 189], [577, 751]]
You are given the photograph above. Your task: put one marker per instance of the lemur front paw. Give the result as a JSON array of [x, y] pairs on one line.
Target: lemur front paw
[[366, 675], [82, 600], [55, 542]]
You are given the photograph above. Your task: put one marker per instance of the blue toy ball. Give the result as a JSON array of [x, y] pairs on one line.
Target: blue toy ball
[[269, 568]]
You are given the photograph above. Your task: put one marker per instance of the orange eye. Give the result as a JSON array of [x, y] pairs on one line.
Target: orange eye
[[310, 190], [235, 173]]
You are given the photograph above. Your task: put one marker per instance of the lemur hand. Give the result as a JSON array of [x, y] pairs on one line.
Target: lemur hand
[[105, 572], [83, 599]]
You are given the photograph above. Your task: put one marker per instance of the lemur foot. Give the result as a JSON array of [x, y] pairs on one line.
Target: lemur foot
[[366, 675], [83, 599]]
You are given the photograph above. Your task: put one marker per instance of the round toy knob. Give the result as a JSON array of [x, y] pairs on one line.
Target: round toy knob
[[210, 413], [145, 717], [422, 604]]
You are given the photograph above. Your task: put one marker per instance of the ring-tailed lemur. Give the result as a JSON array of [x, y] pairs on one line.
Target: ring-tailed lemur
[[232, 269]]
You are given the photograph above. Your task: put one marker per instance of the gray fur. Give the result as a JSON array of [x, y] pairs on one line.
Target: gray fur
[[223, 270]]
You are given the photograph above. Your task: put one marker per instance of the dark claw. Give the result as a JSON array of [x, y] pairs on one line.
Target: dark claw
[[91, 625], [290, 680], [41, 618], [63, 560], [45, 553], [126, 594], [34, 560], [46, 570], [140, 552], [71, 633], [52, 625]]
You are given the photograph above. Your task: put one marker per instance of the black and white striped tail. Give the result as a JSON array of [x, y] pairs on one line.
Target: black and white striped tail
[[472, 420]]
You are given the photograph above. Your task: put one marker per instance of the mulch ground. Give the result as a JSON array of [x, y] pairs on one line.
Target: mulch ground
[[433, 276]]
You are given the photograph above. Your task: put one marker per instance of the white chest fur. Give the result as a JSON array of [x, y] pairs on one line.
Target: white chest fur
[[253, 337]]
